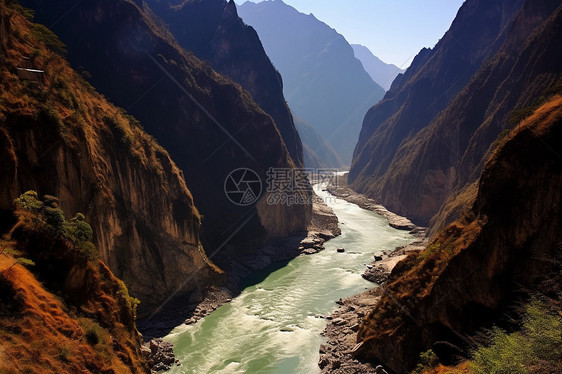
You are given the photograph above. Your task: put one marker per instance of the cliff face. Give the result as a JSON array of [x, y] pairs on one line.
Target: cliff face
[[383, 167], [212, 30], [66, 313], [323, 81], [509, 241], [60, 137], [209, 125]]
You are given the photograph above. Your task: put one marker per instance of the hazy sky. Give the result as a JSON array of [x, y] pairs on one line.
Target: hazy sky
[[394, 30]]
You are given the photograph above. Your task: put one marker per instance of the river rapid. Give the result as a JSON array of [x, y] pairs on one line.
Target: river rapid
[[275, 326]]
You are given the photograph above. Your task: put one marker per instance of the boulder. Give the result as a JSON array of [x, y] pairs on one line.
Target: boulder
[[309, 251], [307, 243]]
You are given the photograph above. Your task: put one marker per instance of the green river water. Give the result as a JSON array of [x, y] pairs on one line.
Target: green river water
[[274, 326]]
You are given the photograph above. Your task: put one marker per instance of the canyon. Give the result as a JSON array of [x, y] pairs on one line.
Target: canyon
[[137, 118]]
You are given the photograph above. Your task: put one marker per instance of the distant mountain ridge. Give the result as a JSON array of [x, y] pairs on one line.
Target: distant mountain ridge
[[318, 153], [487, 159], [324, 83], [381, 72], [401, 159], [212, 30]]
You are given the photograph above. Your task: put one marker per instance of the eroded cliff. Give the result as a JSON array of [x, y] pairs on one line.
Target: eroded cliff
[[401, 162], [58, 136], [67, 312], [507, 244], [209, 125]]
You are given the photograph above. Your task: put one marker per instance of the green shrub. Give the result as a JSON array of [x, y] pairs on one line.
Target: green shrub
[[428, 360], [54, 218], [93, 334], [29, 201], [64, 354], [77, 231], [537, 344], [130, 302]]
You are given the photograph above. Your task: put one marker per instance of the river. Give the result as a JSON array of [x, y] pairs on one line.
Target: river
[[274, 326]]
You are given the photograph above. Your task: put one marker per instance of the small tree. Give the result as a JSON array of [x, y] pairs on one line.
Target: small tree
[[81, 234], [81, 229], [54, 218]]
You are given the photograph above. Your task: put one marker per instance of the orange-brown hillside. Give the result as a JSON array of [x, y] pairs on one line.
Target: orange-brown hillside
[[64, 314], [509, 241]]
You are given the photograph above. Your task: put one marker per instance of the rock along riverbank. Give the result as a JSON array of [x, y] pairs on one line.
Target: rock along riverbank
[[336, 355], [324, 226]]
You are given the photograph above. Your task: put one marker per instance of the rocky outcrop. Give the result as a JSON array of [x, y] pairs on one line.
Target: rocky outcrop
[[62, 138], [212, 30], [210, 126], [337, 354], [507, 243], [402, 160], [159, 355], [324, 83]]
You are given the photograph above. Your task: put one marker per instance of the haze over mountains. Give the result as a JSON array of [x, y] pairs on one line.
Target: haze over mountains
[[382, 73], [323, 82]]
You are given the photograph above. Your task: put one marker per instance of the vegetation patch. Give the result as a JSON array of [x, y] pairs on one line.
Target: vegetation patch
[[535, 348]]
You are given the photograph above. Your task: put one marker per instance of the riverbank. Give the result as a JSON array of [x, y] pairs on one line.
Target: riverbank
[[342, 191], [336, 355], [324, 226]]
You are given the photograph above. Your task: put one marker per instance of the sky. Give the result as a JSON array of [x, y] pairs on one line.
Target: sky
[[394, 30]]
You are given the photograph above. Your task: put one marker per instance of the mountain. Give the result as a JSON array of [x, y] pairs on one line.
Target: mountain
[[60, 137], [208, 123], [505, 246], [62, 310], [404, 160], [496, 141], [382, 73], [212, 30], [324, 83], [318, 153]]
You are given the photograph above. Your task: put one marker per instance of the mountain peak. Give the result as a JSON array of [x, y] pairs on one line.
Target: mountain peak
[[382, 73]]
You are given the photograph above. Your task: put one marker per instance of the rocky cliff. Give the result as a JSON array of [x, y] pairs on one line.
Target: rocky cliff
[[506, 245], [209, 125], [212, 30], [58, 136], [416, 183], [67, 313], [323, 81]]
